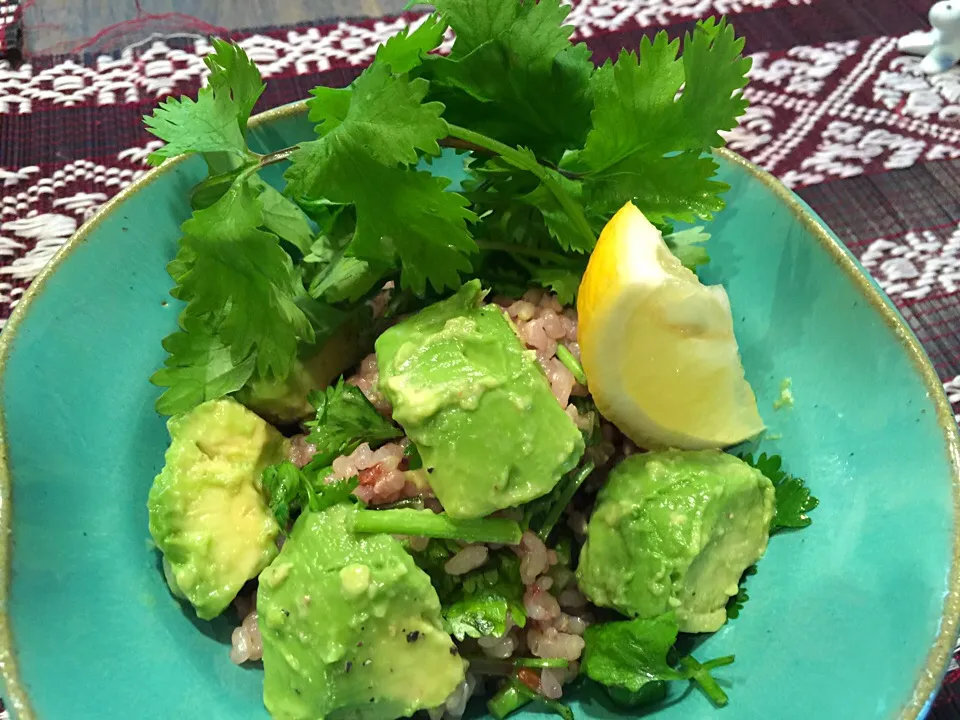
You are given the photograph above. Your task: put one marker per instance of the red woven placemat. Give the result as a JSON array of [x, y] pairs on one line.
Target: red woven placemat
[[870, 143]]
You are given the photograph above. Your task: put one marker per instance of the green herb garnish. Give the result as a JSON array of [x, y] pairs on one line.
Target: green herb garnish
[[735, 604], [556, 146], [794, 499], [633, 654], [291, 489], [479, 602], [345, 420]]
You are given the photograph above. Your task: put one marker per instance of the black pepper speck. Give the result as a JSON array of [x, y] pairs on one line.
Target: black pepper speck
[[413, 636], [286, 612], [348, 667], [360, 644]]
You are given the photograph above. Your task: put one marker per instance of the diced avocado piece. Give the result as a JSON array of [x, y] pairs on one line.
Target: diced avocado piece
[[477, 405], [351, 627], [675, 530], [285, 401], [207, 512]]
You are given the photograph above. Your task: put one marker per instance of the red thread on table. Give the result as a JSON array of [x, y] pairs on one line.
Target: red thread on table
[[182, 21]]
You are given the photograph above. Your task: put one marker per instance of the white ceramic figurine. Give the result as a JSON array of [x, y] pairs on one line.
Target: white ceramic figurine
[[941, 45]]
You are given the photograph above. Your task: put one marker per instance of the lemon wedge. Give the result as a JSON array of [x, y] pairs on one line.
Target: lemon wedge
[[657, 345]]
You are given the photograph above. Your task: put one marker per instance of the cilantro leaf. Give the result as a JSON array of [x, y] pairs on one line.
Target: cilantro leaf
[[282, 483], [793, 499], [678, 187], [417, 221], [199, 368], [637, 108], [635, 653], [405, 50], [654, 116], [233, 72], [486, 598], [208, 191], [386, 120], [208, 124], [291, 489], [402, 215], [736, 603], [563, 282], [328, 107], [687, 245], [477, 603], [217, 121], [513, 74], [632, 653], [322, 494], [243, 278], [558, 221], [348, 278], [282, 217], [339, 276], [345, 419]]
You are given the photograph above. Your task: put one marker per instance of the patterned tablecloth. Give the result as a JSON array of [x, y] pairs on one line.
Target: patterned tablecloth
[[870, 143]]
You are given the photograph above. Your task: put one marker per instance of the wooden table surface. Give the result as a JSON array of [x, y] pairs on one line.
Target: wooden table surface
[[70, 25]]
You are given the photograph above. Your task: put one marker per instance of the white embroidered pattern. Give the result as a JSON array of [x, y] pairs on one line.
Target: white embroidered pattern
[[867, 109], [157, 66], [916, 266]]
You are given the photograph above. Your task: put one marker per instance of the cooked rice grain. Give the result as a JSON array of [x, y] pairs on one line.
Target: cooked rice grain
[[469, 558], [246, 643], [533, 557]]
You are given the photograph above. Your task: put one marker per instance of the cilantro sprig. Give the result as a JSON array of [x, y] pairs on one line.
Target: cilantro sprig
[[291, 489], [793, 498], [345, 419], [556, 146], [479, 602], [634, 654], [736, 602]]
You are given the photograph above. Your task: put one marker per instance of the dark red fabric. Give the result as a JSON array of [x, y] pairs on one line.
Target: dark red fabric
[[871, 144]]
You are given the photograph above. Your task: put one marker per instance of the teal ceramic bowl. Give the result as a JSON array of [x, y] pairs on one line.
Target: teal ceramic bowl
[[854, 617]]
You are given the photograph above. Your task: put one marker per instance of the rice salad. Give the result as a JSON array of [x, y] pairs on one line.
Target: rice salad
[[436, 443]]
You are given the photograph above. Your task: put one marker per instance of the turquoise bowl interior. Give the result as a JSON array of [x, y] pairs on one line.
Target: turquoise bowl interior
[[851, 618]]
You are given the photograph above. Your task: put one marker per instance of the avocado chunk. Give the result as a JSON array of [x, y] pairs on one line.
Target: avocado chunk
[[286, 401], [207, 512], [477, 405], [351, 627], [675, 530]]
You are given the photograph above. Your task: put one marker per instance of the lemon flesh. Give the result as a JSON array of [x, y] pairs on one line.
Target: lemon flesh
[[657, 345]]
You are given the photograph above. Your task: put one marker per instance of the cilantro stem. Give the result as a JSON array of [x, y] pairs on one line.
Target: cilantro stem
[[510, 698], [529, 163], [491, 666], [566, 495], [532, 252], [700, 674], [541, 662], [458, 144], [514, 695], [426, 523], [571, 363], [276, 157], [719, 662]]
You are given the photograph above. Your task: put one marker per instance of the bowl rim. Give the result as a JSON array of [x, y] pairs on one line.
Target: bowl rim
[[930, 675]]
